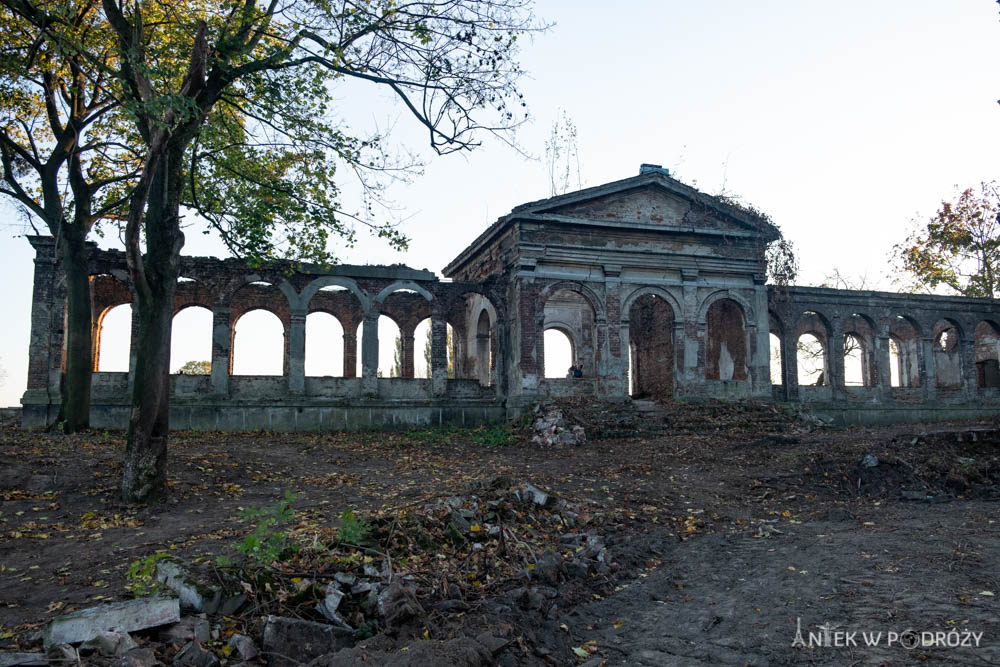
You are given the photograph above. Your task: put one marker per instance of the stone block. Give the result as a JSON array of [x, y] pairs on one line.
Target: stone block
[[307, 418], [9, 659], [138, 657], [289, 642], [244, 647], [79, 626], [204, 418], [193, 655], [108, 644], [180, 418], [255, 419], [188, 629], [229, 419], [194, 594], [281, 419], [62, 654]]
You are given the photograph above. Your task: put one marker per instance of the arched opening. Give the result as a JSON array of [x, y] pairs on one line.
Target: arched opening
[[904, 353], [559, 353], [895, 362], [726, 341], [260, 316], [331, 347], [191, 341], [947, 360], [258, 344], [859, 357], [812, 362], [114, 336], [855, 357], [400, 346], [423, 345], [570, 313], [987, 337], [651, 347], [473, 344], [484, 349], [107, 292], [774, 349], [390, 350], [811, 350], [324, 345]]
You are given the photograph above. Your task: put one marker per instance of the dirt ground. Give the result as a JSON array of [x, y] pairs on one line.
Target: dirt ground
[[728, 528]]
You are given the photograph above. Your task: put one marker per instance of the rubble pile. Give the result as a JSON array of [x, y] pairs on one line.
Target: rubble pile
[[551, 428], [512, 542]]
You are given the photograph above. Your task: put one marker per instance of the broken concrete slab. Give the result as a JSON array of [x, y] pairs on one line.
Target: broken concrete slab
[[62, 654], [548, 567], [532, 493], [193, 655], [138, 657], [108, 644], [288, 642], [333, 597], [79, 626], [400, 605], [188, 629], [8, 659], [244, 647], [197, 595]]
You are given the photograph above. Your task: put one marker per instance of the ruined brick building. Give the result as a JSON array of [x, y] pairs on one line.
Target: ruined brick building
[[659, 288]]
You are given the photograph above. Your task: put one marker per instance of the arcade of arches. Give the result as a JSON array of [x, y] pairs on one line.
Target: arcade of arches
[[644, 286]]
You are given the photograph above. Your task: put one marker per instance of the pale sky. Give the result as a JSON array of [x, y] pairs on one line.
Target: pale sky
[[844, 121]]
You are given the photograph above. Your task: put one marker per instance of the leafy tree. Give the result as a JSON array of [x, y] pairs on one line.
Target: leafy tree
[[196, 368], [958, 249], [66, 155], [217, 90], [781, 264]]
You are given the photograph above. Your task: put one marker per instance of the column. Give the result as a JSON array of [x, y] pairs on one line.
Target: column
[[883, 377], [45, 345], [752, 358], [679, 341], [222, 338], [462, 364], [928, 379], [835, 355], [369, 356], [296, 367], [439, 354], [759, 347], [483, 359], [133, 350], [406, 343], [790, 365], [967, 360], [46, 311], [614, 359], [692, 338], [351, 351]]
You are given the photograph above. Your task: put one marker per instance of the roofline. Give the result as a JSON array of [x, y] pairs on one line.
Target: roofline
[[523, 211]]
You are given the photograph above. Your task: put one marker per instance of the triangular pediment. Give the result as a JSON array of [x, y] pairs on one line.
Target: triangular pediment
[[656, 200], [649, 204], [645, 202]]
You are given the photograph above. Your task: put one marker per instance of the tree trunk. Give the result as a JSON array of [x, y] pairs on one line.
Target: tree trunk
[[75, 407], [144, 479]]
